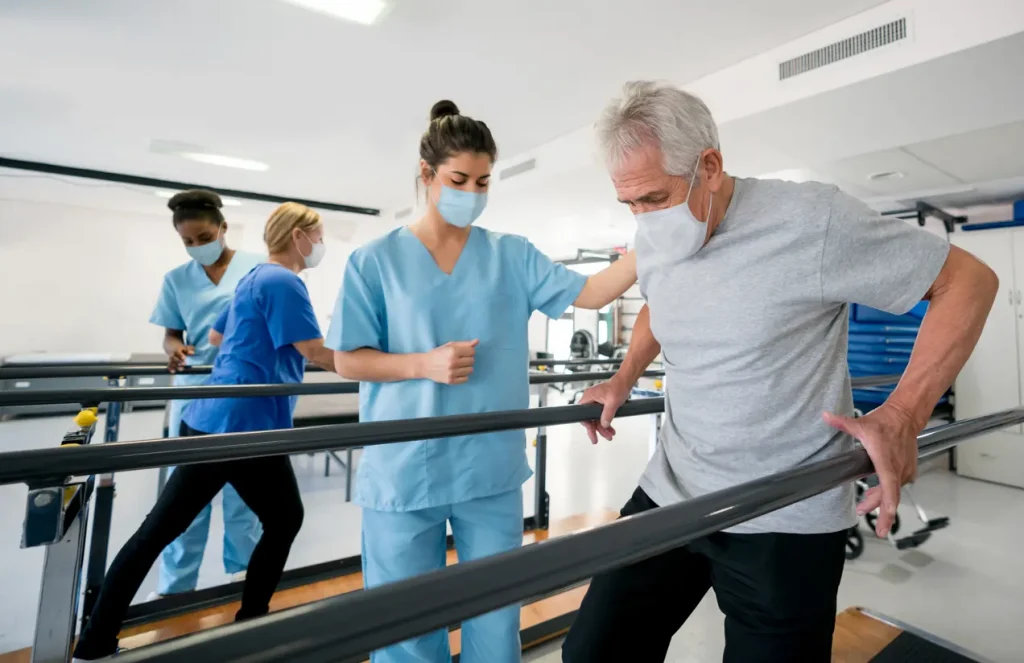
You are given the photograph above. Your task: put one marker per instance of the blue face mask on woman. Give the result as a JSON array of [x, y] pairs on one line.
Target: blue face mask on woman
[[208, 253], [460, 208]]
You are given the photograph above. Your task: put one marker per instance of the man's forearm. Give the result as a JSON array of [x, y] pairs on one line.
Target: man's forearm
[[173, 343], [960, 302], [643, 349]]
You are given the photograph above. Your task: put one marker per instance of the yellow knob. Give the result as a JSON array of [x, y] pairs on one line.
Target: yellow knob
[[658, 384], [85, 418], [535, 443]]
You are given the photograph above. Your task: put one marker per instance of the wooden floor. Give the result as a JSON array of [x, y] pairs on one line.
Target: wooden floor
[[532, 613], [858, 637]]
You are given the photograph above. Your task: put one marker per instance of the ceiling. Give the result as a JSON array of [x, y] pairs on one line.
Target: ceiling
[[952, 128], [335, 108]]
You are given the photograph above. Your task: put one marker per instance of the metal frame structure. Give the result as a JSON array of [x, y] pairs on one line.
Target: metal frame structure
[[344, 628], [922, 211], [48, 472]]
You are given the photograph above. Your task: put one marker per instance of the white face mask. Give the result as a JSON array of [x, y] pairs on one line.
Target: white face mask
[[674, 231], [316, 255]]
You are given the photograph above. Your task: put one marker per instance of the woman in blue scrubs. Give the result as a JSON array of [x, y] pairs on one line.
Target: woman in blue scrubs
[[269, 332], [432, 320], [192, 297]]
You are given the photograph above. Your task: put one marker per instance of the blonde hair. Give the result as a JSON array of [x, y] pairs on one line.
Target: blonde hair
[[287, 217]]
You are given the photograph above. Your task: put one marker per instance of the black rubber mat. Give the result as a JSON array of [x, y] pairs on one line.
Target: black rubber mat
[[909, 648]]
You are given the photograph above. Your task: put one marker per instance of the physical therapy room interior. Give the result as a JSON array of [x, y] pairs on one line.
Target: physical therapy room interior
[[910, 110]]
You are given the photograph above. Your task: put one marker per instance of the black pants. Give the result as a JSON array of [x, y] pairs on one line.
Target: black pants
[[778, 593], [268, 487]]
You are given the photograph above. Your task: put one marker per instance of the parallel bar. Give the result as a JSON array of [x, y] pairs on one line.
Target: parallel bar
[[190, 392], [337, 628], [47, 371], [52, 466]]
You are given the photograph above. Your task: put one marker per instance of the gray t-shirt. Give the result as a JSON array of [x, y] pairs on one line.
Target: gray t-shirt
[[753, 330]]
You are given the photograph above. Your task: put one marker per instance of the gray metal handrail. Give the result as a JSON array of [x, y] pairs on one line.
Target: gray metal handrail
[[43, 371], [37, 467], [97, 395], [351, 625]]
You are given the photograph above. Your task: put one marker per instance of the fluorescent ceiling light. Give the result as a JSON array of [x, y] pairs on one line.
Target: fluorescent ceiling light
[[366, 12], [228, 202], [226, 161]]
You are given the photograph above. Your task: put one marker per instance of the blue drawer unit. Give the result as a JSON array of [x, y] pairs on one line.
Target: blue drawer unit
[[880, 344]]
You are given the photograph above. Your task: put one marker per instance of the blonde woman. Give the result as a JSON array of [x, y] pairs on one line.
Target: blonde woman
[[266, 335]]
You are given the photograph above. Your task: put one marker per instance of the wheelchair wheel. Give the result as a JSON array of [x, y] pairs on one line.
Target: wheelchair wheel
[[854, 543], [872, 519]]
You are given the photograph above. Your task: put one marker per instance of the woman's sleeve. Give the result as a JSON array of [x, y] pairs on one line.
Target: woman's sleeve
[[289, 313], [551, 286], [167, 314], [358, 318]]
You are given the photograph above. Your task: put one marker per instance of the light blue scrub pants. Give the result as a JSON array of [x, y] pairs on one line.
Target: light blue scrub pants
[[180, 561], [402, 544]]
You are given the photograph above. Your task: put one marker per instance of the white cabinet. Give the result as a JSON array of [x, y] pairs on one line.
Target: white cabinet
[[993, 377]]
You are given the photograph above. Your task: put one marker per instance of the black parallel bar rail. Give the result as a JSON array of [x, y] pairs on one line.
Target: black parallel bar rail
[[41, 467], [97, 395], [53, 371], [345, 627]]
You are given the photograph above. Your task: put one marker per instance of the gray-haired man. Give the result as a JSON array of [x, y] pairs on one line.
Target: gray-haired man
[[747, 283]]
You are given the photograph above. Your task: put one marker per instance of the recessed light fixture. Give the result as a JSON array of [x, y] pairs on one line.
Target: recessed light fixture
[[228, 202], [366, 12], [226, 161], [885, 175]]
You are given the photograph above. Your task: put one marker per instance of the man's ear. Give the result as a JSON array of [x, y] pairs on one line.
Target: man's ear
[[713, 169]]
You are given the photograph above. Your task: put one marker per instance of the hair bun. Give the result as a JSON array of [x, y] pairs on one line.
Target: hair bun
[[195, 199], [443, 108]]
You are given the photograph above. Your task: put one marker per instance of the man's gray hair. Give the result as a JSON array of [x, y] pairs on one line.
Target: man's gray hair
[[650, 113]]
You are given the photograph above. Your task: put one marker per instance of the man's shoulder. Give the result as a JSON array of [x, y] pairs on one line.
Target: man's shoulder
[[793, 193]]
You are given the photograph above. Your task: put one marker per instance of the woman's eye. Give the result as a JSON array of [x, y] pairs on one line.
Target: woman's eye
[[457, 183]]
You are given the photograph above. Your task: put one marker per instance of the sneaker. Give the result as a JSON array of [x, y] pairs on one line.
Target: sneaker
[[155, 596], [238, 577]]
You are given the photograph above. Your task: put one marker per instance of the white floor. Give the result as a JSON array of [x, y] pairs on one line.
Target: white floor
[[966, 584]]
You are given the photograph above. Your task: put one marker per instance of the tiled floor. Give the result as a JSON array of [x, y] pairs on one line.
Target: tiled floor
[[966, 584]]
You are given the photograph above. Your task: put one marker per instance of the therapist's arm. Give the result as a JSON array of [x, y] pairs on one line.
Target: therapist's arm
[[177, 351], [452, 363], [215, 338], [609, 284], [315, 353]]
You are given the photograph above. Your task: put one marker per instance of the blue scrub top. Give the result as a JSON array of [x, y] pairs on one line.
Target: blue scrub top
[[396, 299], [189, 301], [270, 312]]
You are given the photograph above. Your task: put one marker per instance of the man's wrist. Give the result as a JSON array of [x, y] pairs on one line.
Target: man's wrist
[[914, 416], [416, 366]]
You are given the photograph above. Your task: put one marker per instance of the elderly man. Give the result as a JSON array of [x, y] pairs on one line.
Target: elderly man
[[747, 284]]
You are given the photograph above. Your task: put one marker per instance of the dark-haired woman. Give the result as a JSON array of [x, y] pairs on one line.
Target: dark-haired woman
[[432, 320], [192, 297]]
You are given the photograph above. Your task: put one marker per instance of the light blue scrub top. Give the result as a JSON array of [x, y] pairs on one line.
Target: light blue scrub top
[[189, 301], [394, 298]]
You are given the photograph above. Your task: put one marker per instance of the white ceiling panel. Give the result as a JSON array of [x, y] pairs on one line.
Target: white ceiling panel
[[909, 173], [977, 156]]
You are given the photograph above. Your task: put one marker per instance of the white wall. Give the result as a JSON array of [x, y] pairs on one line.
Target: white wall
[[83, 279]]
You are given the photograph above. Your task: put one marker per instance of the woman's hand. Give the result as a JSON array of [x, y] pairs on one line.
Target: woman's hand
[[179, 357], [452, 363]]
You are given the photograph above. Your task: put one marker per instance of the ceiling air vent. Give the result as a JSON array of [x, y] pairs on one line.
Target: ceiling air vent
[[517, 169], [847, 48]]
